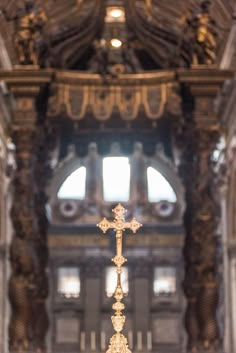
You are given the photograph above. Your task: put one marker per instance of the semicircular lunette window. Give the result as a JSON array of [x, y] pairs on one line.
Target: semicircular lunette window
[[159, 188], [74, 186]]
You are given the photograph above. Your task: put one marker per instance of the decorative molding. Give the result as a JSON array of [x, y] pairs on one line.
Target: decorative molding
[[87, 240]]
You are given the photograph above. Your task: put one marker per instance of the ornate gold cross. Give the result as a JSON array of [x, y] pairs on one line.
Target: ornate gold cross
[[119, 225], [118, 342]]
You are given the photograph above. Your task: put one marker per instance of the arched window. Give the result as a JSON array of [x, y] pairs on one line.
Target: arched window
[[74, 185], [159, 188], [116, 179], [116, 183]]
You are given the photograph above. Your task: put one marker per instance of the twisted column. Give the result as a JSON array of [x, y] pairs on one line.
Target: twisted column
[[21, 282], [197, 139], [34, 138]]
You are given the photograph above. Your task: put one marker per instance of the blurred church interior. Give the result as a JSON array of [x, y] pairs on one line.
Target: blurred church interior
[[108, 101]]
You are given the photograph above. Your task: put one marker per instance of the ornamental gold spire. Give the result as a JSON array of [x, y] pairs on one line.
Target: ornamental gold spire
[[118, 342]]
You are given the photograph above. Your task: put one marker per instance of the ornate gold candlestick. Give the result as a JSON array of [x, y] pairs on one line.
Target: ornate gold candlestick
[[118, 342]]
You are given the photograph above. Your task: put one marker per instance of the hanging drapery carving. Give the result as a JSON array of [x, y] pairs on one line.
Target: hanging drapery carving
[[103, 101], [200, 285]]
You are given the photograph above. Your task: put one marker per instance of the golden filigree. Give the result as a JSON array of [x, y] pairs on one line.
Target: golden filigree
[[118, 342]]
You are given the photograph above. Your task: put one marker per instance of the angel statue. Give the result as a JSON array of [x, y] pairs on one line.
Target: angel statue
[[204, 35], [29, 24]]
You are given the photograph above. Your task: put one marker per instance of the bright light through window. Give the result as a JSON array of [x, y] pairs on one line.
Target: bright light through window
[[116, 43], [116, 179], [111, 280], [115, 14], [158, 187], [68, 282], [74, 185], [164, 280]]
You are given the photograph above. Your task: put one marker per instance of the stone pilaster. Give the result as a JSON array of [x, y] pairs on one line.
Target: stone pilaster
[[141, 292], [92, 286]]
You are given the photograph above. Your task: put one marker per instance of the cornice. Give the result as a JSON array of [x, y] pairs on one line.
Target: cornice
[[81, 78], [30, 76], [26, 80], [204, 73]]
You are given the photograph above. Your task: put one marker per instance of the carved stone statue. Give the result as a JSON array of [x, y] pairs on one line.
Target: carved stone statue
[[29, 25], [203, 34]]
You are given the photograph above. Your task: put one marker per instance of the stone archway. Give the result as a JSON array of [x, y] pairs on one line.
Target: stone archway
[[198, 129]]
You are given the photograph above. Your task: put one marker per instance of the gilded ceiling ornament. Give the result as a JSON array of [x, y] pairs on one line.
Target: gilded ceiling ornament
[[118, 342]]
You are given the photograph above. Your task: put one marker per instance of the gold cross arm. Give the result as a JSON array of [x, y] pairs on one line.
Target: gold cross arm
[[119, 223]]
